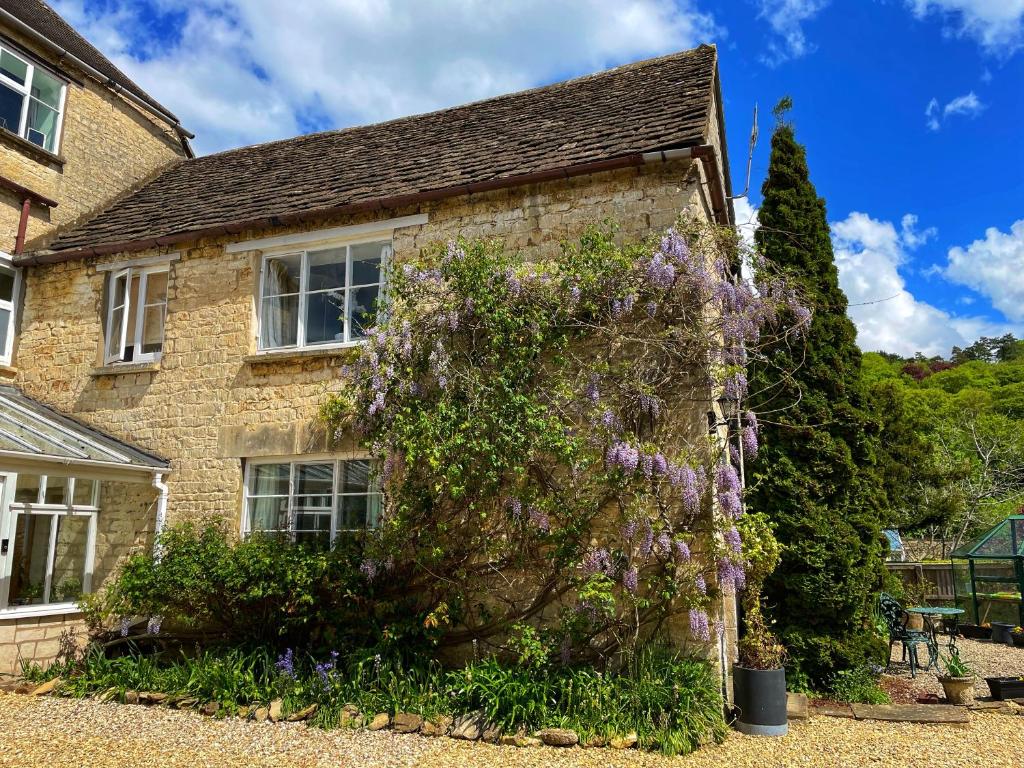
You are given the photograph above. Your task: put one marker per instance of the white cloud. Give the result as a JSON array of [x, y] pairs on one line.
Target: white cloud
[[869, 254], [968, 105], [932, 113], [993, 267], [785, 18], [998, 25], [241, 72]]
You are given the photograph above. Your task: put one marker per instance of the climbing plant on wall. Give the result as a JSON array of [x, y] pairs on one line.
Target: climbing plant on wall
[[542, 435]]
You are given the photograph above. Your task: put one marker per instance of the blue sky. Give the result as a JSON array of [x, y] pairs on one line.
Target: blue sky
[[911, 110]]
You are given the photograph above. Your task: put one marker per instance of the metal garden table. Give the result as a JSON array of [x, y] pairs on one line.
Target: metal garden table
[[945, 613]]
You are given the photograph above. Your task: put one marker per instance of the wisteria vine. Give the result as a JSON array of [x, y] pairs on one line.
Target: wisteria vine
[[542, 434]]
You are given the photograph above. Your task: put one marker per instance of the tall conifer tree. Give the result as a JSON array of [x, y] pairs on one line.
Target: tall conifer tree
[[815, 475]]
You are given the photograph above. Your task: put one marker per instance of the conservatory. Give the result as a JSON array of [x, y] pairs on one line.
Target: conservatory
[[988, 573]]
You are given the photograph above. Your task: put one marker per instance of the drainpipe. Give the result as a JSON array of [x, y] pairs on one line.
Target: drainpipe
[[161, 511], [19, 241]]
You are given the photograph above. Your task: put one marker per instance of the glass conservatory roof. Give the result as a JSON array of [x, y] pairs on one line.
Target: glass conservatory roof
[[30, 431], [1005, 539]]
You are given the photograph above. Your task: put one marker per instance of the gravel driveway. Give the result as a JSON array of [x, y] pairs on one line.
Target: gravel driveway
[[56, 732]]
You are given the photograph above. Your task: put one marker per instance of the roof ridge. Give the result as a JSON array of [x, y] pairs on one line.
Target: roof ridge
[[640, 64]]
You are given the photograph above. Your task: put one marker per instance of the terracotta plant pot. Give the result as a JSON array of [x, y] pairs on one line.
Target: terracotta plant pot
[[958, 690]]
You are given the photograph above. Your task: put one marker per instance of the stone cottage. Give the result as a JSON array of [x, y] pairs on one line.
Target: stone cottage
[[75, 134], [201, 318]]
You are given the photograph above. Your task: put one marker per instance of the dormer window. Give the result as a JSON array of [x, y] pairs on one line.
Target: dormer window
[[31, 100]]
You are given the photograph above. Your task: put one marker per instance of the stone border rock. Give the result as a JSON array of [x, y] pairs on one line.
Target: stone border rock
[[472, 726]]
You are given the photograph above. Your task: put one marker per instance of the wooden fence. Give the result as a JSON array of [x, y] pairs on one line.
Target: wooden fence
[[937, 578]]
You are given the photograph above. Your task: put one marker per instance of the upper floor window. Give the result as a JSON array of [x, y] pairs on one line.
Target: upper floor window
[[320, 297], [10, 281], [136, 308], [31, 100]]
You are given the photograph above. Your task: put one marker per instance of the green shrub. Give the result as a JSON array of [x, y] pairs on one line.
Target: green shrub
[[672, 702], [858, 685], [255, 592]]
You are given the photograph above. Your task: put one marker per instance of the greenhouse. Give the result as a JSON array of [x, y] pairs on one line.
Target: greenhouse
[[988, 573]]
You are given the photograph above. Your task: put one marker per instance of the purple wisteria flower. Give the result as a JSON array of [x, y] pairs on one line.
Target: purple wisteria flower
[[647, 466], [597, 561], [616, 309], [125, 626], [377, 405], [593, 394], [630, 579], [539, 518], [574, 294], [608, 419], [369, 569], [661, 273], [735, 386], [629, 531], [728, 484], [515, 506], [719, 629], [664, 543], [682, 551], [622, 455], [659, 464], [732, 538], [700, 583], [651, 308], [699, 625], [749, 437], [647, 542], [153, 625]]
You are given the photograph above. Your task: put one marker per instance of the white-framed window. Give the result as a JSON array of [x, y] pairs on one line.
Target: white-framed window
[[312, 500], [31, 100], [136, 310], [320, 297], [49, 535], [10, 292]]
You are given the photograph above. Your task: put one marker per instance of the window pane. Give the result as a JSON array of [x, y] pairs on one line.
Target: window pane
[[41, 128], [46, 88], [10, 109], [362, 303], [56, 490], [282, 275], [366, 263], [83, 492], [31, 547], [116, 324], [324, 312], [326, 269], [27, 491], [313, 530], [279, 322], [153, 329], [120, 284], [356, 476], [156, 288], [314, 479], [353, 512], [13, 67], [5, 327], [69, 558], [6, 284], [269, 480], [268, 514]]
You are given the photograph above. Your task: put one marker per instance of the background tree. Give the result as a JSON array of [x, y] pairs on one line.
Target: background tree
[[815, 476]]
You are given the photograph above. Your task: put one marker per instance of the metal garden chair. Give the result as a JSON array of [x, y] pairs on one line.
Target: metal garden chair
[[896, 621]]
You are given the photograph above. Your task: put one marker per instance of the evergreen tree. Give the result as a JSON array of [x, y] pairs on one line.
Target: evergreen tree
[[815, 476]]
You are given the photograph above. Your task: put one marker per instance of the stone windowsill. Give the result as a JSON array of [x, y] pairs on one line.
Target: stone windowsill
[[8, 371], [299, 355], [117, 369], [28, 148]]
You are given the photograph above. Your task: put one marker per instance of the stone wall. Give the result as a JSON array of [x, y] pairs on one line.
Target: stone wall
[[107, 147], [211, 402]]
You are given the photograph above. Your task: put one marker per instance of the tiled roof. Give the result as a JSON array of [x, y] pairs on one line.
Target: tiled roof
[[651, 105], [47, 22]]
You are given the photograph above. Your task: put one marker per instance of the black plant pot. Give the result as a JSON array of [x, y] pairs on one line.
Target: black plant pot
[[1001, 633], [760, 698]]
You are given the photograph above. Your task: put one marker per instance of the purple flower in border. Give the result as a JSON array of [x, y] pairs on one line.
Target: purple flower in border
[[630, 579], [699, 625], [153, 625], [125, 626], [285, 663]]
